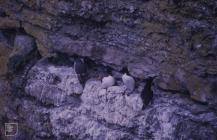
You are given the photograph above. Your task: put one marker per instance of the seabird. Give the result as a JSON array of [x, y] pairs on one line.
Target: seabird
[[108, 81], [38, 4], [147, 93], [81, 69], [129, 82]]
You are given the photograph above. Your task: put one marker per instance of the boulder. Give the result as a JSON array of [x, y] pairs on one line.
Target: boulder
[[199, 89], [52, 84], [169, 83], [112, 105]]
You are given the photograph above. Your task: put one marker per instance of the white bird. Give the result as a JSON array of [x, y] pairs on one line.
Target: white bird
[[108, 81], [129, 82]]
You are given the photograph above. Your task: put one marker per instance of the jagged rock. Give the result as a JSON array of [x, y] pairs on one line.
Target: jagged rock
[[169, 83], [38, 114], [112, 105], [107, 106], [5, 51], [86, 127], [24, 47], [108, 113], [9, 23], [4, 86], [41, 36], [52, 84], [199, 89], [173, 41], [113, 117], [4, 56], [42, 20], [148, 44]]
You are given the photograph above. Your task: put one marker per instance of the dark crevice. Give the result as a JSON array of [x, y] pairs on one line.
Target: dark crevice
[[3, 13], [61, 59], [17, 65], [183, 91], [19, 77], [178, 3], [9, 35], [84, 21], [199, 102]]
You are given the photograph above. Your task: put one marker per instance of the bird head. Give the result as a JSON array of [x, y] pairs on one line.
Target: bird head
[[79, 60], [124, 76]]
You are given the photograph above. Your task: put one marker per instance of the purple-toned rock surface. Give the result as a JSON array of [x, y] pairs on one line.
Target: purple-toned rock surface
[[169, 47]]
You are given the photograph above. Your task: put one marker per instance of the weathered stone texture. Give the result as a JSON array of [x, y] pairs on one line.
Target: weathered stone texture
[[172, 42]]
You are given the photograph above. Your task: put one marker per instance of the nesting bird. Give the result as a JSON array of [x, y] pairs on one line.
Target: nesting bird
[[38, 4], [129, 82], [81, 69], [147, 93], [108, 81]]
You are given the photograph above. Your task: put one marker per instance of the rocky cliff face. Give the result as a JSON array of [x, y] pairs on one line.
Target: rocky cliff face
[[169, 47]]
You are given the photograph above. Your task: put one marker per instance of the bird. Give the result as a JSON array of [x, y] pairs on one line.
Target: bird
[[108, 81], [80, 68], [38, 4], [129, 82], [147, 93]]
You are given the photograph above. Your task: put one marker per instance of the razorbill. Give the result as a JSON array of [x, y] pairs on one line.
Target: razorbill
[[129, 82], [108, 81], [80, 69], [147, 93]]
